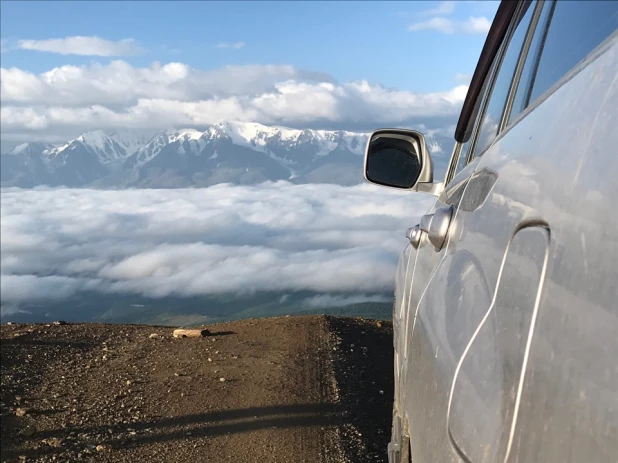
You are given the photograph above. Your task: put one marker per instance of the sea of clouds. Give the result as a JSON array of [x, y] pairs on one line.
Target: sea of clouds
[[191, 242]]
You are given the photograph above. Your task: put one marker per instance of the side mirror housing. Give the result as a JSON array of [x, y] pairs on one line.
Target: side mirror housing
[[398, 158]]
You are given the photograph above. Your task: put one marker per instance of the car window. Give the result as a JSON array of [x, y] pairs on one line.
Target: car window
[[502, 84], [575, 29], [464, 153], [520, 100]]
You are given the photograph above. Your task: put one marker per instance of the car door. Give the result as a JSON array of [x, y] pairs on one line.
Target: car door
[[474, 383]]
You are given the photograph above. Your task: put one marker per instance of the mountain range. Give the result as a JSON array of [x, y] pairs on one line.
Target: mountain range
[[227, 152]]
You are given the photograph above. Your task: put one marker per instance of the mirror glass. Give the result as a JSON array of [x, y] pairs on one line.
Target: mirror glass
[[393, 160]]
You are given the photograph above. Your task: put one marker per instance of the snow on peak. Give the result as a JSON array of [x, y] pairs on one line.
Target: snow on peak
[[31, 148], [259, 137]]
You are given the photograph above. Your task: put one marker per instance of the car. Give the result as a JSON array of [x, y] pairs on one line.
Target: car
[[505, 319]]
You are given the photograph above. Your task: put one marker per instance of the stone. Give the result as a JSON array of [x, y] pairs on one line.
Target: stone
[[182, 333], [55, 442], [28, 431]]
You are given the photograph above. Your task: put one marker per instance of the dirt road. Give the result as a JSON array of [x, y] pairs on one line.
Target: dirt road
[[290, 389]]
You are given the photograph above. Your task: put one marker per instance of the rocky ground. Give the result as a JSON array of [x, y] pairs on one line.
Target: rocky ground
[[288, 389]]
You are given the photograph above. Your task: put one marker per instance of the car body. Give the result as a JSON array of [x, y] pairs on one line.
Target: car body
[[506, 302]]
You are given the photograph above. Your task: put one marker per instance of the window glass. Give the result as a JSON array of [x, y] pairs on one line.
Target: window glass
[[463, 154], [525, 82], [575, 29], [465, 149], [502, 84]]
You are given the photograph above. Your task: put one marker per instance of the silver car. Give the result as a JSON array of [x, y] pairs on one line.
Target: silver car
[[506, 301]]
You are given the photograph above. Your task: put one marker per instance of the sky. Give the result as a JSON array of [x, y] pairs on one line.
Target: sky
[[69, 67]]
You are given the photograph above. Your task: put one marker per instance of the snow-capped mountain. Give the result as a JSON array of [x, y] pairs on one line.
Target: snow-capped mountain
[[236, 152]]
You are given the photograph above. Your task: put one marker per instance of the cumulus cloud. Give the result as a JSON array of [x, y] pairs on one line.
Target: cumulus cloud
[[234, 46], [472, 25], [69, 100], [81, 45], [190, 242]]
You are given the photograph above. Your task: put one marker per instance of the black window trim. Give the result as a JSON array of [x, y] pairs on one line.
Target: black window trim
[[521, 59], [490, 75], [495, 37]]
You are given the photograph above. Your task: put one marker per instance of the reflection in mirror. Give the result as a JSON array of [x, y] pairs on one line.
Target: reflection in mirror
[[393, 160]]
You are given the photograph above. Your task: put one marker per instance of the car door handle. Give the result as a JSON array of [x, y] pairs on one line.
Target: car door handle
[[436, 226]]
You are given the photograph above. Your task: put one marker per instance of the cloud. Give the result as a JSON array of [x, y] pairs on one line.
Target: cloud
[[476, 25], [68, 100], [191, 242], [81, 45], [463, 78], [446, 7], [473, 25], [235, 46]]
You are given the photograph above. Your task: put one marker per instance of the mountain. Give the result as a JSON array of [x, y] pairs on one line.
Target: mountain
[[227, 152]]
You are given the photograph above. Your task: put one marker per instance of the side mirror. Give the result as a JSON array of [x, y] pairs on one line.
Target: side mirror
[[398, 158]]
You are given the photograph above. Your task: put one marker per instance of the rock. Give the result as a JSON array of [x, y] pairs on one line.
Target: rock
[[10, 323], [129, 382], [182, 333], [209, 359], [188, 433], [55, 442], [100, 448], [28, 431], [21, 412], [59, 322], [379, 324], [381, 392], [153, 336], [222, 380]]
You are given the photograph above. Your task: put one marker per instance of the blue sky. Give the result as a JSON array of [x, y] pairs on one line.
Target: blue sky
[[81, 65], [349, 40]]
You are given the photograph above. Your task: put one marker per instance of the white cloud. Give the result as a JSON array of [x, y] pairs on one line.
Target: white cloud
[[68, 100], [476, 25], [81, 45], [443, 25], [235, 46], [472, 25], [463, 78], [275, 236], [446, 7]]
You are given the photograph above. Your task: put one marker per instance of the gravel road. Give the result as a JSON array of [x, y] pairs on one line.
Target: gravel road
[[287, 389]]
